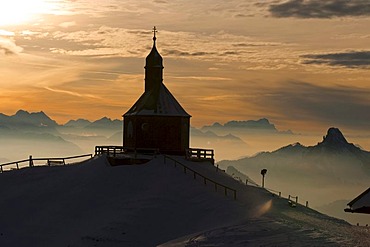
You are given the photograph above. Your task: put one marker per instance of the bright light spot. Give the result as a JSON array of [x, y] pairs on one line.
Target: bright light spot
[[14, 12], [264, 208], [6, 33]]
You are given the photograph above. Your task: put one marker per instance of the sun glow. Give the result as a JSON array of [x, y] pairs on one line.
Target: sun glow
[[15, 12]]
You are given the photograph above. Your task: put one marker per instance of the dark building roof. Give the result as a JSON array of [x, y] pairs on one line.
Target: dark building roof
[[157, 100], [360, 204]]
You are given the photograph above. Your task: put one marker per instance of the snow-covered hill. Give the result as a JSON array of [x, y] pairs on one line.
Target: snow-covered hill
[[94, 204]]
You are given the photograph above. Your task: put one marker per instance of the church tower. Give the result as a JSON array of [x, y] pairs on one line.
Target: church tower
[[156, 120]]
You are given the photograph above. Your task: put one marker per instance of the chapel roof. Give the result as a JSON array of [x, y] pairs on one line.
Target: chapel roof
[[157, 102]]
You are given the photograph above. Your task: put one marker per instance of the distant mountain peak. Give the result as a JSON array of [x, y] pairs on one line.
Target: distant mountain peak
[[37, 119], [22, 113], [78, 123], [216, 124], [263, 122], [335, 141], [334, 137], [297, 144]]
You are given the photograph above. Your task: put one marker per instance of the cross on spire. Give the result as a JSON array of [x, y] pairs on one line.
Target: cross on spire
[[154, 32]]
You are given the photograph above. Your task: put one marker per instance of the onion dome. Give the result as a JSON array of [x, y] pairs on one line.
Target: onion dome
[[154, 59]]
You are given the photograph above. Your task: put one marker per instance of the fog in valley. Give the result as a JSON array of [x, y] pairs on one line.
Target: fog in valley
[[327, 172]]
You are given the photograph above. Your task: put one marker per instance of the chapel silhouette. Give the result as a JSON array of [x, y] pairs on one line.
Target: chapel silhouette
[[156, 120]]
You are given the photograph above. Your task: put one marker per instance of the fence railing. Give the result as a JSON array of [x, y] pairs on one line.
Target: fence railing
[[198, 154], [204, 178], [290, 198], [110, 150], [15, 165], [117, 150]]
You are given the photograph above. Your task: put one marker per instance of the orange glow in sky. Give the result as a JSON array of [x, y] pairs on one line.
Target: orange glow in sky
[[224, 60], [22, 11]]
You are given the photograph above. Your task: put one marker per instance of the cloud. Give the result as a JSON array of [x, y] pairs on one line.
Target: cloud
[[251, 44], [185, 53], [353, 59], [67, 24], [321, 8], [8, 47], [72, 93], [308, 103], [105, 41], [202, 78], [6, 33]]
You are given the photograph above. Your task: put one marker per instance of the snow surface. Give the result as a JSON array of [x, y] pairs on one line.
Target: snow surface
[[94, 204]]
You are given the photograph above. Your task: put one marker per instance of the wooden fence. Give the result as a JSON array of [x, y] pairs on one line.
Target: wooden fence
[[278, 193], [113, 151], [110, 150], [198, 154], [49, 161], [197, 174]]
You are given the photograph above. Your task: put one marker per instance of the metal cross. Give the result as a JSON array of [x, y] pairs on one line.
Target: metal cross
[[155, 31]]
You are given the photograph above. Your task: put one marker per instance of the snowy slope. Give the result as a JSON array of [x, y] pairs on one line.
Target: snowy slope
[[269, 221], [77, 205], [94, 204]]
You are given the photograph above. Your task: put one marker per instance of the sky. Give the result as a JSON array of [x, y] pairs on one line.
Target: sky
[[303, 64]]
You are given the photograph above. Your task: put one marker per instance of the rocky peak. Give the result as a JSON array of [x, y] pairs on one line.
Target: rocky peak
[[334, 137], [39, 119], [335, 141]]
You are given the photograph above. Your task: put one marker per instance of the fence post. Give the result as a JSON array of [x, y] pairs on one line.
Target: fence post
[[307, 204], [30, 161], [296, 199], [64, 162], [279, 194], [17, 166], [246, 182], [289, 197]]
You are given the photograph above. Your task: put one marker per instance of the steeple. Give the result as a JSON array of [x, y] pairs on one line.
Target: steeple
[[156, 120], [153, 67]]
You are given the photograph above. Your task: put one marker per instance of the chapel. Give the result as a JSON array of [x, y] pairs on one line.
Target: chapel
[[156, 120]]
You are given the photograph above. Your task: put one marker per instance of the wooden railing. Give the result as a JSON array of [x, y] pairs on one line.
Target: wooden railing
[[113, 151], [110, 150], [198, 154], [204, 178], [49, 161], [278, 193]]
